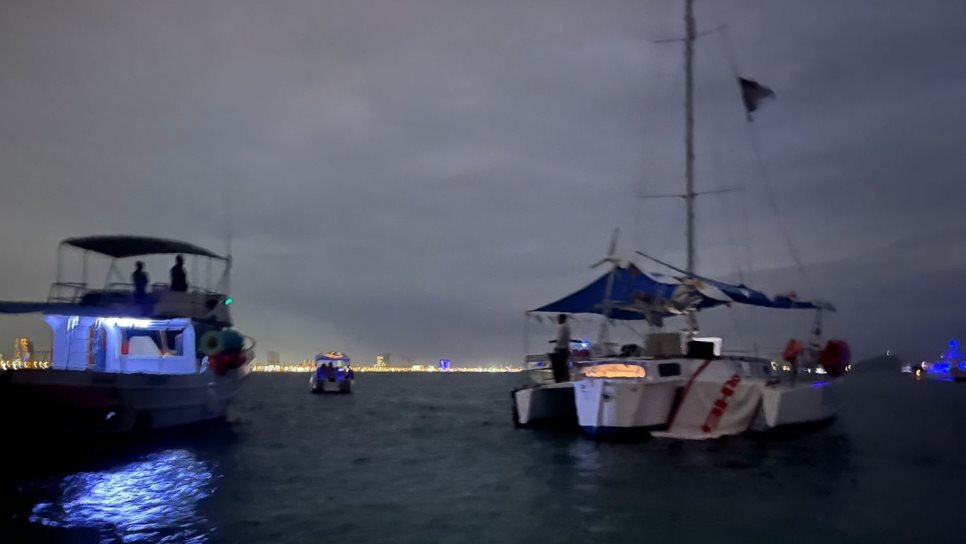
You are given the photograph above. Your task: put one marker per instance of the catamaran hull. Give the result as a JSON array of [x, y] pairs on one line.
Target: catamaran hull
[[551, 405], [88, 402], [616, 407], [612, 408], [798, 404]]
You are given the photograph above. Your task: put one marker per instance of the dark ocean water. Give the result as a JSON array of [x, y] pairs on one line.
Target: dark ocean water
[[435, 458]]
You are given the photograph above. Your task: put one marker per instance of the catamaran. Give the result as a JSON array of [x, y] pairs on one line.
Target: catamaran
[[125, 361], [680, 384]]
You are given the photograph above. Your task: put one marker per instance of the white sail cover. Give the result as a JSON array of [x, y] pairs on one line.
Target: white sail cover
[[718, 401]]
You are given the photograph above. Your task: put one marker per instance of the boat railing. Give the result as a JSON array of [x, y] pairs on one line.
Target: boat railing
[[66, 291], [160, 300], [74, 292], [156, 287]]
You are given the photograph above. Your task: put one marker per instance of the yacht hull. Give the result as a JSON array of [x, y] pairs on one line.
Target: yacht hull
[[326, 386], [614, 407], [89, 402]]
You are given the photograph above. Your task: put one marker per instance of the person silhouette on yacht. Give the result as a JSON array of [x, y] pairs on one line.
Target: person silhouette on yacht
[[179, 278], [140, 280]]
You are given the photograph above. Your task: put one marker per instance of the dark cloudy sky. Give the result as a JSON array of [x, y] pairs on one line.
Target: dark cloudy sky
[[410, 176]]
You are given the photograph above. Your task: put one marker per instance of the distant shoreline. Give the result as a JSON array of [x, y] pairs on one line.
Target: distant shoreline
[[391, 370]]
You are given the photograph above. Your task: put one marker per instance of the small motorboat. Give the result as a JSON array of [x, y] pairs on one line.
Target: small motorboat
[[333, 373]]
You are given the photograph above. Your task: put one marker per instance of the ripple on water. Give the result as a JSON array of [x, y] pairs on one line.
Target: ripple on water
[[154, 499]]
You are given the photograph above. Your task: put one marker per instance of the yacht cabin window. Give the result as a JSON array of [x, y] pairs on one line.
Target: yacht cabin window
[[152, 342]]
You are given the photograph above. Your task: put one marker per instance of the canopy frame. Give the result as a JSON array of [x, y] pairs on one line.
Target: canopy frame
[[116, 247], [125, 246]]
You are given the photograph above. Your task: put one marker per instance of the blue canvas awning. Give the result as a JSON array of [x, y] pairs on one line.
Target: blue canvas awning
[[634, 289]]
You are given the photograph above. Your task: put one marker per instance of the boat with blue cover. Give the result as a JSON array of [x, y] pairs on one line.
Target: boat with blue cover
[[681, 383], [678, 383]]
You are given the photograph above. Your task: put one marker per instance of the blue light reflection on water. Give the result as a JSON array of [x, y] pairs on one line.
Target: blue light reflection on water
[[154, 499]]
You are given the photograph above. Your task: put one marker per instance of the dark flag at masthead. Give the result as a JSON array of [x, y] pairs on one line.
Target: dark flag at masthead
[[752, 94]]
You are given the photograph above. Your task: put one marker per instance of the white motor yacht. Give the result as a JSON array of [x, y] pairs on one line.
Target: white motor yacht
[[121, 362]]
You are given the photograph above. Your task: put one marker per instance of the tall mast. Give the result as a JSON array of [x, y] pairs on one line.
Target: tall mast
[[689, 37], [689, 25]]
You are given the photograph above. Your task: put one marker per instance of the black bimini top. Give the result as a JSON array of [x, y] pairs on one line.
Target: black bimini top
[[121, 247]]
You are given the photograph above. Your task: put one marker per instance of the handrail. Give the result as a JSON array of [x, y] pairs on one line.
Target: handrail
[[75, 289], [159, 287]]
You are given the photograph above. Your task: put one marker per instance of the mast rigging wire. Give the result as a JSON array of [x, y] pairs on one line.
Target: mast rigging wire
[[763, 171]]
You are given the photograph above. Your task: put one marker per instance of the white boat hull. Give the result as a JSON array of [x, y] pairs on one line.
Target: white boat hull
[[328, 386], [722, 397], [810, 402], [619, 406], [90, 402], [551, 404], [678, 398]]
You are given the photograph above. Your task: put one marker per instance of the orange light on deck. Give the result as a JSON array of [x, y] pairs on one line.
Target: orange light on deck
[[615, 370]]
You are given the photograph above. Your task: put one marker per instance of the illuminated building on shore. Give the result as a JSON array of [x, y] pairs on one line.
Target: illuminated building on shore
[[23, 349], [308, 366], [382, 361], [272, 358]]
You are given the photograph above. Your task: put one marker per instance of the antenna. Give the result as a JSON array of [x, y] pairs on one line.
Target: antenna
[[226, 179], [611, 251], [615, 264]]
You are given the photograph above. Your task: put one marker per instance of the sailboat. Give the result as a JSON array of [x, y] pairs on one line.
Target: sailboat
[[679, 384]]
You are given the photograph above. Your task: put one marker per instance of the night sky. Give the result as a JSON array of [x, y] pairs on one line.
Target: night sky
[[411, 176]]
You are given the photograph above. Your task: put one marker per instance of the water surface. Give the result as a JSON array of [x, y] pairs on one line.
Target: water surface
[[435, 458]]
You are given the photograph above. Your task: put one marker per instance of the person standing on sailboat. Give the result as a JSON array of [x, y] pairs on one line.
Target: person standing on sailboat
[[561, 351]]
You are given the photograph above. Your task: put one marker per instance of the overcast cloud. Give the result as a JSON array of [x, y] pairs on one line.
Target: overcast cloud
[[411, 176]]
